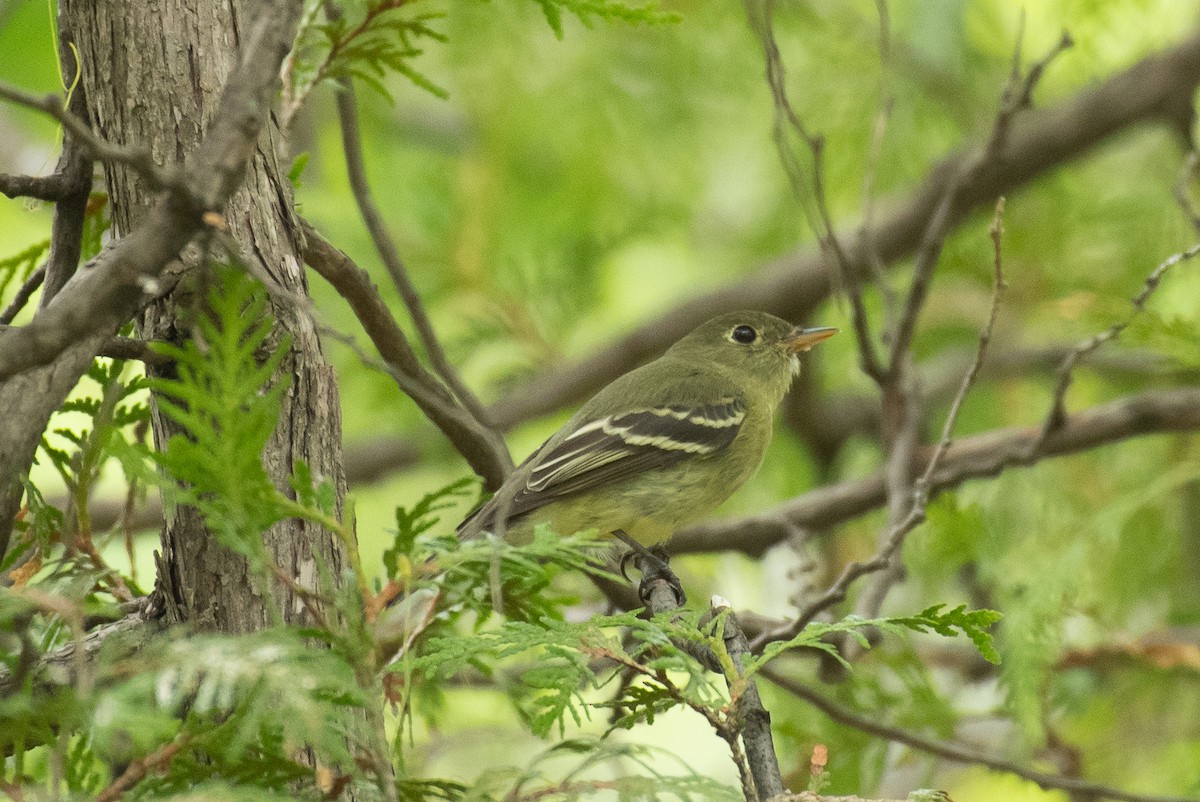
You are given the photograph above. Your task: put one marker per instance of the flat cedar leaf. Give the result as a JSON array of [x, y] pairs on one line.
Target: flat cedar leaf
[[972, 623], [296, 171], [86, 405], [608, 10], [130, 414], [411, 523], [226, 401], [20, 266], [421, 790], [302, 482], [553, 17], [77, 438]]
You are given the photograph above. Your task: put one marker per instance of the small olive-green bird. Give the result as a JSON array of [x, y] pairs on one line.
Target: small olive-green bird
[[662, 445]]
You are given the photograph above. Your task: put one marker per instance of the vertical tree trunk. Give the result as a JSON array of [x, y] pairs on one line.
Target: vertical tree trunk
[[153, 74]]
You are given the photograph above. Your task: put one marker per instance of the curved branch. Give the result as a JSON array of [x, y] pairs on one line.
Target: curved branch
[[471, 438]]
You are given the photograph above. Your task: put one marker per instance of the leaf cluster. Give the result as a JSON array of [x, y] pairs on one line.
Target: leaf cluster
[[20, 266]]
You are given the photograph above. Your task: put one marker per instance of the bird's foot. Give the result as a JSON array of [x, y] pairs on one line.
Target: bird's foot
[[655, 565], [657, 568]]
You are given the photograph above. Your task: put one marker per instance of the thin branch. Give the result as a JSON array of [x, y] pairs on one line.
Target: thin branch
[[980, 456], [1058, 412], [385, 246], [464, 431], [1182, 189], [952, 751], [388, 253], [758, 764], [1016, 97], [883, 116], [157, 177], [894, 540], [49, 188], [137, 770], [23, 295], [131, 348], [76, 168], [900, 388], [760, 14], [996, 231]]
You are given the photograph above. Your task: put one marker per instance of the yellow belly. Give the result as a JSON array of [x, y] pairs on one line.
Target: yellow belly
[[649, 508]]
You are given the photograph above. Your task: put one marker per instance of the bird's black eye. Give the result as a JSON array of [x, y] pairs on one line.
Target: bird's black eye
[[744, 335]]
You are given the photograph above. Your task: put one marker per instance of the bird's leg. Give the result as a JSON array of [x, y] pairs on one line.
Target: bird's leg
[[654, 564]]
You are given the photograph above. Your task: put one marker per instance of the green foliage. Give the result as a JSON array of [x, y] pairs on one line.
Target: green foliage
[[485, 575], [244, 690], [410, 523], [561, 657], [15, 269], [36, 529], [226, 400], [972, 623], [366, 40], [609, 10]]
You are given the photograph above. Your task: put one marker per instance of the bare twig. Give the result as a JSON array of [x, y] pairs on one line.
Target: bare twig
[[24, 293], [40, 187], [950, 750], [875, 594], [893, 540], [422, 395], [810, 192], [72, 208], [1015, 98], [136, 771], [996, 231], [1182, 189], [157, 177], [900, 388], [386, 248], [131, 348], [883, 116], [1058, 412]]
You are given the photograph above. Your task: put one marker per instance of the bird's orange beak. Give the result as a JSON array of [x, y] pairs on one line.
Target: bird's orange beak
[[803, 339]]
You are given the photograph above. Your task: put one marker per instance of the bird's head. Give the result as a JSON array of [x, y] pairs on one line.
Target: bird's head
[[755, 347]]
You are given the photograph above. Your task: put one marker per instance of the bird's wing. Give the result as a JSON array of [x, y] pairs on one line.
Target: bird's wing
[[615, 447]]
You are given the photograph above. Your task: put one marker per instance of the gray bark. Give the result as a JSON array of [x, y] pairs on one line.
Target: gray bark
[[153, 77]]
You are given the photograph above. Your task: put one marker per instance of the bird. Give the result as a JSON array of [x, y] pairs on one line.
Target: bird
[[662, 445]]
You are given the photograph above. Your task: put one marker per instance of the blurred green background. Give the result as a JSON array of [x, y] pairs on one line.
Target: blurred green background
[[569, 189]]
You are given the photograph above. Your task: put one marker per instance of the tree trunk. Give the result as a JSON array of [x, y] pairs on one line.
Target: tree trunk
[[152, 76]]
